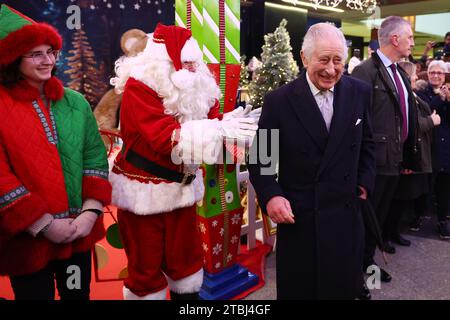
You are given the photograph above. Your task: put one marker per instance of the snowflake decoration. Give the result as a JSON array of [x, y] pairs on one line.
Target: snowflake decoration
[[92, 7], [215, 223], [109, 5], [352, 4], [234, 239], [229, 257], [217, 265], [217, 248], [205, 247], [122, 6], [236, 218], [137, 6], [328, 3], [202, 227], [222, 231]]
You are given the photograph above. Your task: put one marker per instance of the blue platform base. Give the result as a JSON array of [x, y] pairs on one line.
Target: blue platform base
[[227, 283]]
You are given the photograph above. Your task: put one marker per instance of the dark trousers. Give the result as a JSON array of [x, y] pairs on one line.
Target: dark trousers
[[385, 187], [442, 192], [41, 284], [398, 207], [421, 205]]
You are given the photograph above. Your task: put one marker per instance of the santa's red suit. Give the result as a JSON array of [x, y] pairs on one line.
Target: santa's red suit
[[157, 216], [143, 197]]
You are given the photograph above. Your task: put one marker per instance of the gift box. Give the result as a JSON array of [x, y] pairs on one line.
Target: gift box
[[215, 24]]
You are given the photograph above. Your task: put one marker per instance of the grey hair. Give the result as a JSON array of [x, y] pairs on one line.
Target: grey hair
[[390, 26], [437, 63], [322, 31], [409, 67]]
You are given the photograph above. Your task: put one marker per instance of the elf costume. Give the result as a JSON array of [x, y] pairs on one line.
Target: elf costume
[[52, 159]]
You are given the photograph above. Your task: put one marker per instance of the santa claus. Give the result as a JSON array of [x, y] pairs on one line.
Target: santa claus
[[169, 117]]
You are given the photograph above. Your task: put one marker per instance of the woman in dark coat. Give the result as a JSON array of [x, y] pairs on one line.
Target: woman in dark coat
[[437, 95]]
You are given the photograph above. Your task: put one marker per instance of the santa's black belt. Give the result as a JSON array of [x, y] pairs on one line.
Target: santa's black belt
[[155, 169]]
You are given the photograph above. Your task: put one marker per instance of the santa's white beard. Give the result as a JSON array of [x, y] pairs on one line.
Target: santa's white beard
[[195, 94]]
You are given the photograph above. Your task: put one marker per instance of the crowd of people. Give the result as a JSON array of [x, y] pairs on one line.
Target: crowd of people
[[429, 77], [412, 166]]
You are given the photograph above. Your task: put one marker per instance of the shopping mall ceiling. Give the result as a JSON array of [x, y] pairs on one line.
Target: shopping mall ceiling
[[430, 18]]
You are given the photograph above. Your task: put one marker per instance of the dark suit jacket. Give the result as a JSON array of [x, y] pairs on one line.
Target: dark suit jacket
[[320, 256], [391, 154]]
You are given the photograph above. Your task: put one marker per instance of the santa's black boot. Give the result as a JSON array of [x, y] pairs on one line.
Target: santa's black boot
[[183, 296]]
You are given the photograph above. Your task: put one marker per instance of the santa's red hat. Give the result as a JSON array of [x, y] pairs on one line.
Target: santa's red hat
[[173, 43], [19, 34]]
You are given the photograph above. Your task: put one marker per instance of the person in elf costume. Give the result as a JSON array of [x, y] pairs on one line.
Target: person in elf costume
[[53, 168], [170, 123]]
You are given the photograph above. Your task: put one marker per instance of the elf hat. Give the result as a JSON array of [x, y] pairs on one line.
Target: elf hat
[[173, 43], [19, 34]]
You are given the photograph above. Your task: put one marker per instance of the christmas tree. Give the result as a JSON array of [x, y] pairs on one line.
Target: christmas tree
[[85, 77], [243, 81], [279, 66]]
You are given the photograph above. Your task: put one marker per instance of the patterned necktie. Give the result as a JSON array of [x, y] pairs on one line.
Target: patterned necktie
[[326, 108], [401, 95]]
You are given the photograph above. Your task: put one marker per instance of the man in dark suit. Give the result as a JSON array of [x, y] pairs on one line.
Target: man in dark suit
[[394, 122], [326, 161]]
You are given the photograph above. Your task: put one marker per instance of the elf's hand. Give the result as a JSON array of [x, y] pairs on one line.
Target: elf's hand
[[84, 224]]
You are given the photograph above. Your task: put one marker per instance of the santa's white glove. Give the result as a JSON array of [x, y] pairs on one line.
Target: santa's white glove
[[255, 114], [239, 128], [239, 112]]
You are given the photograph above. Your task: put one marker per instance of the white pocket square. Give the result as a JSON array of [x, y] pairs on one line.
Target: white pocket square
[[358, 122]]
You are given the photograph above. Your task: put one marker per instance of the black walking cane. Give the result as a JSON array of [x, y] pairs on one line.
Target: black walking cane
[[372, 225]]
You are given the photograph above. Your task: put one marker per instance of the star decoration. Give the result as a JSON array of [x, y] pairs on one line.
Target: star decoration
[[109, 5], [122, 6], [137, 6], [236, 218], [202, 227], [217, 248]]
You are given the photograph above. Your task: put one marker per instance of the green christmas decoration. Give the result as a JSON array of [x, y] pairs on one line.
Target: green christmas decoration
[[244, 76], [113, 236], [279, 66]]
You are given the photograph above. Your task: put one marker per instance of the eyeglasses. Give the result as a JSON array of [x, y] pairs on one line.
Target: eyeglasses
[[436, 73], [40, 57]]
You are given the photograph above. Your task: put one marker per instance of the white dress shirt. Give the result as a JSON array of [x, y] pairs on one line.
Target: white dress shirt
[[324, 100]]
